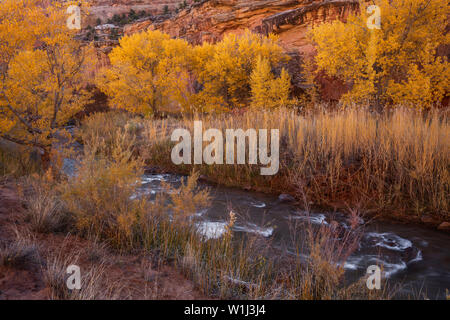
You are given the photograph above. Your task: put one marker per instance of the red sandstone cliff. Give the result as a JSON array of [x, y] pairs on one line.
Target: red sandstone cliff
[[106, 9], [209, 20]]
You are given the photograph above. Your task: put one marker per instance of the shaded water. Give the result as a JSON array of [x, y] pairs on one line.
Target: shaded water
[[417, 258]]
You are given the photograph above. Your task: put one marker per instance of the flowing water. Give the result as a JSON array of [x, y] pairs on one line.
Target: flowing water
[[416, 258]]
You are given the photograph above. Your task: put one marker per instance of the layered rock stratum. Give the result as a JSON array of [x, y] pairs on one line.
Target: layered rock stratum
[[210, 20], [106, 9]]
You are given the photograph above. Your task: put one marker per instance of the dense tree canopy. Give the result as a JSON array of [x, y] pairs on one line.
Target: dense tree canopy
[[150, 72], [268, 91], [41, 82], [394, 64], [224, 69]]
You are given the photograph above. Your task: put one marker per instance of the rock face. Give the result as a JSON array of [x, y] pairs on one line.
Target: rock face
[[210, 20], [106, 9]]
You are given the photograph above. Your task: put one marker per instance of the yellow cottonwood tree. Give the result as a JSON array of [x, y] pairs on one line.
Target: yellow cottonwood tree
[[394, 64], [41, 65], [268, 91], [223, 70], [149, 70]]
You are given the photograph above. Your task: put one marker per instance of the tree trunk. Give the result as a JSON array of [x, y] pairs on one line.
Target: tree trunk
[[46, 159]]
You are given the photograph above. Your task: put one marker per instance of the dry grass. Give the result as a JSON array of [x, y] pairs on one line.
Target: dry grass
[[93, 284], [100, 195], [350, 158], [45, 210], [100, 199], [17, 161], [21, 253], [246, 267], [101, 205], [391, 163]]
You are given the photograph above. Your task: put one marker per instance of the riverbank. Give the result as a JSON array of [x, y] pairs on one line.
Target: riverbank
[[411, 255], [425, 221], [33, 264]]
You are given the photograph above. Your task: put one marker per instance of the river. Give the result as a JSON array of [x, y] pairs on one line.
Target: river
[[414, 258]]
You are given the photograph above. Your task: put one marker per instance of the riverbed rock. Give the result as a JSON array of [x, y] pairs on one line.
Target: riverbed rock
[[284, 197], [429, 220], [444, 226]]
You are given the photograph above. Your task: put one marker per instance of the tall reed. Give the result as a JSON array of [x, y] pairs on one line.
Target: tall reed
[[395, 162]]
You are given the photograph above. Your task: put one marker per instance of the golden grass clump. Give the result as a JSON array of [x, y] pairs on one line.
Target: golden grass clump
[[94, 286], [20, 253], [99, 196], [44, 209]]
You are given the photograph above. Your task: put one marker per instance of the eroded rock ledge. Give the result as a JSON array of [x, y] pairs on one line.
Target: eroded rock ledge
[[290, 19]]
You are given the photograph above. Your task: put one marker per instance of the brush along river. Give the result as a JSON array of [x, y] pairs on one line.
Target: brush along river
[[413, 257]]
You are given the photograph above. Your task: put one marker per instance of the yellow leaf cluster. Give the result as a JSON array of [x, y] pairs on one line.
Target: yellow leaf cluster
[[396, 64], [151, 72], [41, 65], [224, 69], [148, 70], [268, 91]]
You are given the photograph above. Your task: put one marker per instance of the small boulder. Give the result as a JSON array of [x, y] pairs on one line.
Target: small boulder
[[429, 220], [444, 226], [284, 197]]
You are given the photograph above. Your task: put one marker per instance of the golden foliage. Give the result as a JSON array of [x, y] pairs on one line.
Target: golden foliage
[[151, 72], [188, 199], [392, 162], [224, 69], [395, 64], [100, 195], [268, 91], [41, 68], [148, 70]]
